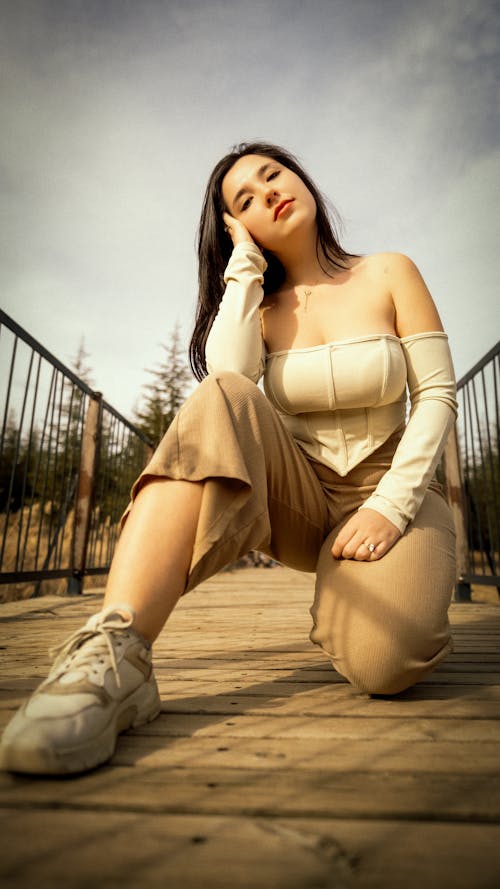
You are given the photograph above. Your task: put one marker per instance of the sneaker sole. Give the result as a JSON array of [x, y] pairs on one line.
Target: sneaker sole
[[141, 707]]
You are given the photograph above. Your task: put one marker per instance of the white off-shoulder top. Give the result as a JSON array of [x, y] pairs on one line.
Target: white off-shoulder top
[[342, 400]]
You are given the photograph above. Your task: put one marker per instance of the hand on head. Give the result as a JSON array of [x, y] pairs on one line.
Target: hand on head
[[236, 230]]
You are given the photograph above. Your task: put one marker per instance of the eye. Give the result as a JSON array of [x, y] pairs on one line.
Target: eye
[[245, 205], [273, 175]]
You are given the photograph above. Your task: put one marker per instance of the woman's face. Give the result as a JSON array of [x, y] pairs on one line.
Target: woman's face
[[269, 199]]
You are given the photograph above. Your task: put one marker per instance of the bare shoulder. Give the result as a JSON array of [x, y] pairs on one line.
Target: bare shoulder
[[388, 266], [414, 306], [388, 273], [397, 274]]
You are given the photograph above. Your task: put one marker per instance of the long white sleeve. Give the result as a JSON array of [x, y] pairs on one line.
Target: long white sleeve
[[431, 384], [235, 340]]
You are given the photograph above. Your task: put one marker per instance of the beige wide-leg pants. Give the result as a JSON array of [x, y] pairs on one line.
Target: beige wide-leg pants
[[383, 624]]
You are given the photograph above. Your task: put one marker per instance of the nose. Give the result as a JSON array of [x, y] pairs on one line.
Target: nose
[[271, 197]]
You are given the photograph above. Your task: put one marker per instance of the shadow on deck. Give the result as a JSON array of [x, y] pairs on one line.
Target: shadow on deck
[[266, 770]]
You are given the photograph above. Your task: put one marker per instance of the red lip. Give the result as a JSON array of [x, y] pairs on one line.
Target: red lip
[[281, 206]]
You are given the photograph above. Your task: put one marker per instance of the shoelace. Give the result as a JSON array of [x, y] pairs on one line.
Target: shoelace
[[101, 631]]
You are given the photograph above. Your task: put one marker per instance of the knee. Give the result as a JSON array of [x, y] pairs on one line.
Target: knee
[[384, 666], [383, 674]]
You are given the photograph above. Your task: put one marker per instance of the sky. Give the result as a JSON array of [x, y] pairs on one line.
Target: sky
[[114, 112]]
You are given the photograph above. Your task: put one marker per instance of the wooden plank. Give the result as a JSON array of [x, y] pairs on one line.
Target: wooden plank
[[355, 794], [316, 755], [341, 728], [262, 748], [316, 704], [184, 853], [303, 678], [308, 705], [224, 852]]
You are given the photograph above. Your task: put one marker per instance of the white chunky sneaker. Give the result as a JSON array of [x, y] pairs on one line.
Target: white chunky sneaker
[[100, 684]]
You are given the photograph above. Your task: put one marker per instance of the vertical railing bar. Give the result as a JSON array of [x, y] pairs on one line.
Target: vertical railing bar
[[100, 487], [57, 482], [466, 463], [107, 485], [52, 462], [491, 517], [23, 489], [120, 448], [481, 479], [105, 481], [86, 492], [482, 502], [124, 447], [47, 434], [7, 396], [112, 476], [496, 481], [28, 459], [113, 528], [64, 470], [97, 498], [11, 481], [118, 473], [496, 375], [470, 453], [38, 470], [478, 436], [76, 436]]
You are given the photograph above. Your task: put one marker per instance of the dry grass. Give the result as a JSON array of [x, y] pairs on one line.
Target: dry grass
[[39, 524]]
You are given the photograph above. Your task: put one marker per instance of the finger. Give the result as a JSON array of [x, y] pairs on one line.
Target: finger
[[337, 547], [347, 542], [362, 553], [340, 542], [380, 550], [384, 546], [352, 546]]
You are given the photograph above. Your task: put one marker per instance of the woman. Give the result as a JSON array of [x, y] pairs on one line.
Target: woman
[[322, 473]]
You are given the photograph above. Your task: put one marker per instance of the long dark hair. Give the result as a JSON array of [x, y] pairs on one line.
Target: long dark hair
[[215, 245]]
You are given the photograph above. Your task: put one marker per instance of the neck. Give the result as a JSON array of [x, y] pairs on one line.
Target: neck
[[300, 260]]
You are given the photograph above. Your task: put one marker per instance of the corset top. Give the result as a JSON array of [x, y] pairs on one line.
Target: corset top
[[363, 372]]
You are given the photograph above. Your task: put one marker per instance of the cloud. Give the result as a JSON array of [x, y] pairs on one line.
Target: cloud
[[114, 113]]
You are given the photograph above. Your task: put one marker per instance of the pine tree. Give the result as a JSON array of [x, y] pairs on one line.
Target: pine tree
[[63, 437], [75, 403], [80, 365], [10, 468], [165, 394]]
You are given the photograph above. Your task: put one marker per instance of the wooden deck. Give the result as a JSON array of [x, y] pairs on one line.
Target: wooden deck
[[265, 770]]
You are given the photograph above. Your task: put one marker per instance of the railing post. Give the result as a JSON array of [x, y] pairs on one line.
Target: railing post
[[454, 491], [89, 461]]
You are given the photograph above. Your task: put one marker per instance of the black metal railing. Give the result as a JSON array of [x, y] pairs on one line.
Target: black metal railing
[[67, 461], [473, 475], [479, 444]]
